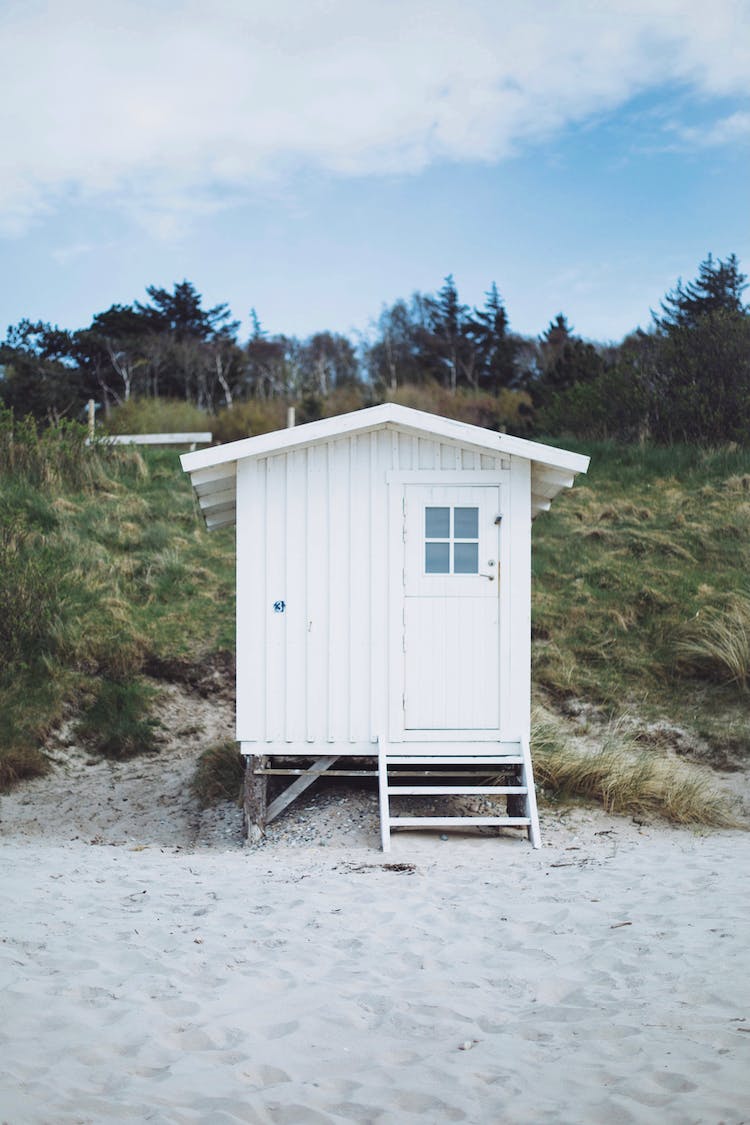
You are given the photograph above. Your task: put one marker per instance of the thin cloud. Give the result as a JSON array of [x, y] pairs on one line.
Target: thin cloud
[[165, 111], [731, 130], [63, 255]]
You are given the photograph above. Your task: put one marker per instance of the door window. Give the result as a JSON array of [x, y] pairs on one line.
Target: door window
[[451, 540]]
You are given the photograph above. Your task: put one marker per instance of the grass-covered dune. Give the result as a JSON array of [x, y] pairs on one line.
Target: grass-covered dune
[[105, 574], [642, 589], [109, 583]]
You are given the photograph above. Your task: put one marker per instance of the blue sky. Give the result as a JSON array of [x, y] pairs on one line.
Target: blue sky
[[318, 158]]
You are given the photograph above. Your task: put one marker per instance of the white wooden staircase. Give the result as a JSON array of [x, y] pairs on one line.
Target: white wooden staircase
[[434, 771]]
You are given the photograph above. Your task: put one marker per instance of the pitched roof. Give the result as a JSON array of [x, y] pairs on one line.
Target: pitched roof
[[213, 471]]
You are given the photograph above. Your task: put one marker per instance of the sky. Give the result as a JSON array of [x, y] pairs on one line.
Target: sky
[[317, 159]]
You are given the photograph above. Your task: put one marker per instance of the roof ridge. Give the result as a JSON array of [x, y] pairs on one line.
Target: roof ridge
[[373, 417]]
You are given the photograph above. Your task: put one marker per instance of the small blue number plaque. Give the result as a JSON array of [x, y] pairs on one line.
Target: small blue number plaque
[[279, 607]]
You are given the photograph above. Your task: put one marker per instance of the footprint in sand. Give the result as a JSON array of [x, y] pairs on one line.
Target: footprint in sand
[[279, 1030], [677, 1083], [262, 1077], [180, 1008], [413, 1101]]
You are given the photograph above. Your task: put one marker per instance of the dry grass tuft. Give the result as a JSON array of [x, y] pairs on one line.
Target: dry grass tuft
[[558, 668], [717, 641], [625, 780], [20, 764], [624, 511], [219, 774], [654, 543], [738, 483]]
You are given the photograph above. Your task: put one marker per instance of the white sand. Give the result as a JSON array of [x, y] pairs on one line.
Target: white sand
[[310, 986], [604, 979]]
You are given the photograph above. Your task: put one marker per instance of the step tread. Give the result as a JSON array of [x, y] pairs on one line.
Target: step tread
[[438, 821], [453, 760], [451, 744], [454, 790]]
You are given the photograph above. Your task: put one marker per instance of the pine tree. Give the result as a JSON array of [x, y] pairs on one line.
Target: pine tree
[[703, 358], [448, 320], [558, 333], [718, 288], [497, 349], [567, 359], [182, 316]]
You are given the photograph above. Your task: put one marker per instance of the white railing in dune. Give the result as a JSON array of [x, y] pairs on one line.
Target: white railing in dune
[[191, 439]]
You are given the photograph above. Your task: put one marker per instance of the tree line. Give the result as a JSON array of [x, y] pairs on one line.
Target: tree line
[[685, 379]]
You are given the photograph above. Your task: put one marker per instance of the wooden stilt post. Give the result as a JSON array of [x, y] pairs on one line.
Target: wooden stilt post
[[516, 805], [254, 801]]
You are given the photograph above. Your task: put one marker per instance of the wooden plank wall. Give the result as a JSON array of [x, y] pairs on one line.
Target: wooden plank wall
[[312, 532]]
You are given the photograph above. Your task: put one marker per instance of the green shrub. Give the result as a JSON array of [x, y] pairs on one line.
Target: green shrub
[[246, 419], [116, 721], [156, 416], [612, 405], [508, 410], [346, 399]]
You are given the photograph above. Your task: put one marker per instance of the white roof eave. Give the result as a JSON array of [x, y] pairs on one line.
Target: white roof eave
[[213, 471]]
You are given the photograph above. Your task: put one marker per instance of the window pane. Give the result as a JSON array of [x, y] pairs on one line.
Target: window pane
[[466, 558], [437, 523], [437, 558], [466, 523]]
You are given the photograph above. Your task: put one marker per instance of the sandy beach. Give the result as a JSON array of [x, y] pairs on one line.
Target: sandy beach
[[157, 970]]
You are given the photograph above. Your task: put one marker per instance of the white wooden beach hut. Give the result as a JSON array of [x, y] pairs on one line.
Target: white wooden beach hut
[[383, 603]]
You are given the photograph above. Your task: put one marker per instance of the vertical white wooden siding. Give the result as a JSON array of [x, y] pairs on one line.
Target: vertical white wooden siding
[[313, 550], [515, 669], [312, 532]]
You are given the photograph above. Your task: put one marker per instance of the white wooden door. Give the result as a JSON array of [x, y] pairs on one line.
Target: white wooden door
[[451, 618]]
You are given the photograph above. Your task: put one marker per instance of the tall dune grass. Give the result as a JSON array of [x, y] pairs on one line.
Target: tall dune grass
[[623, 779], [103, 570], [58, 455], [717, 641], [630, 572]]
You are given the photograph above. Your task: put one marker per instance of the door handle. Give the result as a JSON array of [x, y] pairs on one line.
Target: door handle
[[490, 576]]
